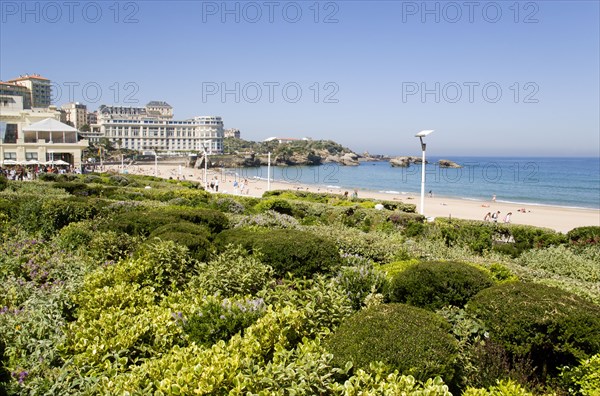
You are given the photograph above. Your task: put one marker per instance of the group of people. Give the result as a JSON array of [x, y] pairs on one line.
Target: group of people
[[354, 194], [494, 217], [241, 188], [31, 173]]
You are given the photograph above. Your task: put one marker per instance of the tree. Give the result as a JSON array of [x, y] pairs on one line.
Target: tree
[[85, 128]]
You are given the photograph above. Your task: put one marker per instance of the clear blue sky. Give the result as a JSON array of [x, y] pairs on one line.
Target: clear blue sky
[[372, 60]]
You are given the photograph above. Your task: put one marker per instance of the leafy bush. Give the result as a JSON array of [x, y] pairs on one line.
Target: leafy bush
[[322, 301], [297, 252], [144, 222], [580, 235], [549, 326], [277, 205], [233, 272], [432, 285], [409, 339], [359, 281], [503, 388], [3, 182], [190, 235], [50, 215], [584, 379], [268, 219], [229, 205], [564, 261], [377, 246], [220, 320]]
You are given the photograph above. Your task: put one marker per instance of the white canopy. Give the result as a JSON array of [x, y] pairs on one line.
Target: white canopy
[[49, 125]]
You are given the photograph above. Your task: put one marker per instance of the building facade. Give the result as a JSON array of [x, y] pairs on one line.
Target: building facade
[[10, 89], [76, 114], [36, 134], [39, 89], [153, 128]]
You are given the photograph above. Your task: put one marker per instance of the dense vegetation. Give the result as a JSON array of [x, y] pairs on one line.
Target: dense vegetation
[[113, 284]]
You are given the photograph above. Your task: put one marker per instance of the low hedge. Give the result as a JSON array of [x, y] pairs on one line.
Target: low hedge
[[286, 250], [584, 235], [433, 285], [548, 326], [145, 222], [192, 236], [408, 339]]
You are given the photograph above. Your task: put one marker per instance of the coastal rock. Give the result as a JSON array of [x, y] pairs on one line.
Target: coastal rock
[[349, 159], [405, 161], [444, 163]]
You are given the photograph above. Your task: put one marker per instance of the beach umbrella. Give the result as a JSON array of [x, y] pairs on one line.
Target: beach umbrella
[[61, 162], [10, 162], [32, 162]]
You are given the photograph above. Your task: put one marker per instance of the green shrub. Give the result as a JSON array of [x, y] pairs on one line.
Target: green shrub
[[502, 388], [548, 326], [579, 236], [47, 177], [233, 272], [297, 252], [144, 222], [408, 339], [229, 205], [190, 235], [323, 303], [220, 320], [359, 281], [432, 285], [277, 205], [50, 215], [3, 182], [268, 219], [377, 246], [564, 261], [393, 268], [584, 379]]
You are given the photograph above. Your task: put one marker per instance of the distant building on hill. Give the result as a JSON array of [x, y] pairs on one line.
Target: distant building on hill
[[284, 139], [232, 133]]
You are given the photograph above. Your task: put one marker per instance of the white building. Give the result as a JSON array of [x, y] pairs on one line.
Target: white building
[[36, 134], [152, 128]]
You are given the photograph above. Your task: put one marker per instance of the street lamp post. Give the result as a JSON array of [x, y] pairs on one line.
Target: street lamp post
[[155, 163], [421, 135], [205, 166], [269, 173]]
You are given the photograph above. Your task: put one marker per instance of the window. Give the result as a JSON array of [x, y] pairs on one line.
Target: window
[[31, 156], [10, 156]]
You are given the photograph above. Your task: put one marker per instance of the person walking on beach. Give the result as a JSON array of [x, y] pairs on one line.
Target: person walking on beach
[[507, 218], [495, 216], [494, 198], [216, 184], [235, 187], [487, 217], [355, 194]]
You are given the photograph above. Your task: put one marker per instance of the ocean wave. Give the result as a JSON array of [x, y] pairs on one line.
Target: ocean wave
[[391, 192]]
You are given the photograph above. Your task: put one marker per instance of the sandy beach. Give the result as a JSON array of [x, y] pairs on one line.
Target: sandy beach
[[555, 217]]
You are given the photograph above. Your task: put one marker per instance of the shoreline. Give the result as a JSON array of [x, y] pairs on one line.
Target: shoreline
[[559, 218]]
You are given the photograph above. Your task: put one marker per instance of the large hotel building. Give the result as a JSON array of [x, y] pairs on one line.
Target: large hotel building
[[152, 128]]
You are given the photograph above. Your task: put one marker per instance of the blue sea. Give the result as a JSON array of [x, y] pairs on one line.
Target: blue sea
[[569, 182]]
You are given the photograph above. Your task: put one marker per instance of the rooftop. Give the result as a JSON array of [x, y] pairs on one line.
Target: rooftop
[[28, 77]]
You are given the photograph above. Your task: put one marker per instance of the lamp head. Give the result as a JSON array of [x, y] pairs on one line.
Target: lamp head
[[423, 133]]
